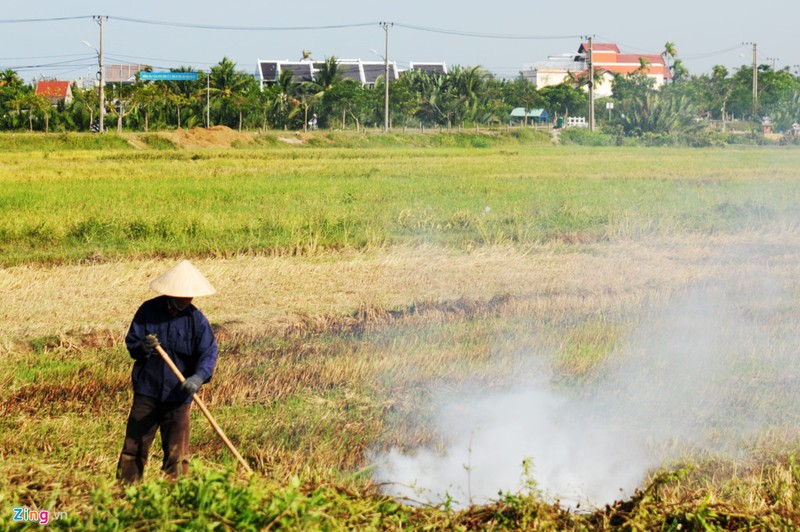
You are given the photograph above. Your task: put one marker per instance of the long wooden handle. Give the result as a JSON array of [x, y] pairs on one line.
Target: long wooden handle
[[203, 408]]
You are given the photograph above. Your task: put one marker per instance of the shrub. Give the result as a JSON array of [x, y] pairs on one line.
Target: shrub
[[584, 137], [790, 140], [158, 142]]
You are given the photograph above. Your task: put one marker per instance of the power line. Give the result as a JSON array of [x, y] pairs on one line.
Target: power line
[[52, 19], [711, 54], [40, 57], [71, 62], [701, 55], [460, 33], [162, 59], [485, 35], [156, 66], [240, 28]]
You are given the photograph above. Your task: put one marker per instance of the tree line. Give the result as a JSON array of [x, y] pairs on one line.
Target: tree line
[[463, 97]]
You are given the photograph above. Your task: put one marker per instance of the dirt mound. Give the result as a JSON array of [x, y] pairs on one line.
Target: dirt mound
[[213, 137]]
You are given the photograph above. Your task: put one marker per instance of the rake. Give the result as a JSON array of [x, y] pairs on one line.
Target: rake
[[202, 406]]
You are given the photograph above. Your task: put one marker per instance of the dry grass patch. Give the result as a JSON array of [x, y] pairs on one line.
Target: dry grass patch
[[262, 295]]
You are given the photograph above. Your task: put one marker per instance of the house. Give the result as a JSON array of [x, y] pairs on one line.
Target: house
[[123, 74], [269, 72], [372, 70], [364, 72], [607, 61], [537, 116], [55, 91]]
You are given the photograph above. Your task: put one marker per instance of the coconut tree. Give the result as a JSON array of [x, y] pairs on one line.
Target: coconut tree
[[468, 88], [227, 84], [9, 79], [181, 95], [644, 64], [328, 74], [285, 105], [12, 92], [669, 54]]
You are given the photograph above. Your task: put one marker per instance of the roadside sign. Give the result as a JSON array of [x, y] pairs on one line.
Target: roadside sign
[[168, 76]]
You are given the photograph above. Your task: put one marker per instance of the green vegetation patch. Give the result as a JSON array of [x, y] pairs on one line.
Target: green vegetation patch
[[70, 205], [26, 142]]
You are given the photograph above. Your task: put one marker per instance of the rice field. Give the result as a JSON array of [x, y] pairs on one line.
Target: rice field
[[372, 299]]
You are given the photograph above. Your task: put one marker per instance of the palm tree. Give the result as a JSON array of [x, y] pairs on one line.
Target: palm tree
[[182, 94], [328, 74], [669, 54], [284, 105], [12, 95], [9, 79], [644, 64], [581, 79], [226, 83], [469, 86]]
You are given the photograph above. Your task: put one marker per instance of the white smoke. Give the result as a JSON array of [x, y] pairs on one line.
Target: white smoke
[[701, 373]]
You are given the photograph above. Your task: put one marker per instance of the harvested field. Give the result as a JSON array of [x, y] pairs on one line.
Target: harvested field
[[645, 325]]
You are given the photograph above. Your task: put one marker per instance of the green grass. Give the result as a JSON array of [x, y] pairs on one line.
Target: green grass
[[307, 200], [47, 143]]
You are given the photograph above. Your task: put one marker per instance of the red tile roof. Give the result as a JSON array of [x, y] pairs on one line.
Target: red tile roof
[[53, 89], [599, 47], [609, 56]]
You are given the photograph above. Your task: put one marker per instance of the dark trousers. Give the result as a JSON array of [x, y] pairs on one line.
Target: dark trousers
[[147, 415]]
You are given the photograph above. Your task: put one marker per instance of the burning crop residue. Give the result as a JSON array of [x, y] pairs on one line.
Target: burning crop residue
[[711, 370]]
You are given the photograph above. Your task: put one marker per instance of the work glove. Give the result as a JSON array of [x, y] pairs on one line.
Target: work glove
[[149, 344], [192, 384]]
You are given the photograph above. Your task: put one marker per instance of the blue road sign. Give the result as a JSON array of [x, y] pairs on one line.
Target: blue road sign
[[168, 76]]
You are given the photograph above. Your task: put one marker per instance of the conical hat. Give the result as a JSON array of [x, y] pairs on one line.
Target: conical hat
[[183, 280]]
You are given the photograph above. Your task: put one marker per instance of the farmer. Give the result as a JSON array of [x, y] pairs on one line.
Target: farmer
[[159, 399]]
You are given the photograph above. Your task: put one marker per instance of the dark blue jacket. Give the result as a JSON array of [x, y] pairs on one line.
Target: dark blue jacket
[[186, 337]]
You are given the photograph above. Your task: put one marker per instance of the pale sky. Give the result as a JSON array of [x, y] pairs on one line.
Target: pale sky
[[705, 33]]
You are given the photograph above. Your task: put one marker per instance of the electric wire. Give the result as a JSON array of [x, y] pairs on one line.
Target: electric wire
[[40, 57], [239, 28], [50, 19], [701, 55], [71, 62], [711, 54], [138, 57], [485, 35]]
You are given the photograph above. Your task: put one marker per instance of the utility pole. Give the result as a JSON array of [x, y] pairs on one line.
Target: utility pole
[[386, 26], [100, 20], [208, 99], [774, 62], [591, 85], [755, 77]]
